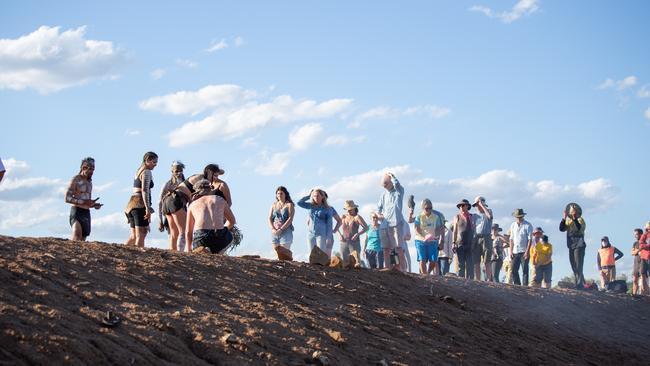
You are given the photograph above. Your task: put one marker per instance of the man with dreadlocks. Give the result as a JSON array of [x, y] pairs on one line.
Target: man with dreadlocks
[[79, 195]]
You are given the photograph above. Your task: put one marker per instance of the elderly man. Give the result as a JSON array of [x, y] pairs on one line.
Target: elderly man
[[389, 209], [463, 237], [574, 225], [482, 244], [79, 195], [521, 238], [205, 230]]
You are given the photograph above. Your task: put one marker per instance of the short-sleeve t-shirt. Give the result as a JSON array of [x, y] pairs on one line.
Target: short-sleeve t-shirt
[[429, 225]]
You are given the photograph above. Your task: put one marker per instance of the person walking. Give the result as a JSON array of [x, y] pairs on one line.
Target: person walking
[[482, 244], [463, 228], [139, 208], [574, 225], [606, 260], [521, 235], [389, 209], [79, 195]]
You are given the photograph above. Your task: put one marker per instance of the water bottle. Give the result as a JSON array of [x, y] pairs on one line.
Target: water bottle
[[394, 258]]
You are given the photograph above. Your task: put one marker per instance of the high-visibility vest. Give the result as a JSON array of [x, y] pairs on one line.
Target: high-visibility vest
[[606, 256]]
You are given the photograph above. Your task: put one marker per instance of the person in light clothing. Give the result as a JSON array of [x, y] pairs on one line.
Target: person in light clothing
[[445, 254], [482, 244], [521, 238], [389, 209], [429, 237]]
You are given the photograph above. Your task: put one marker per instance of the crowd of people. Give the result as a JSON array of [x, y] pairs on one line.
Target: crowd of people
[[196, 213]]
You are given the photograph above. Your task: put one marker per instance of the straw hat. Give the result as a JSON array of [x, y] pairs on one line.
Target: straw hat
[[479, 199], [464, 202], [519, 212], [349, 204]]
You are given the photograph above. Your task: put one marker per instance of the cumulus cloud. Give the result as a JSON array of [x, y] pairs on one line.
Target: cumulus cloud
[[342, 140], [388, 113], [194, 102], [217, 46], [18, 186], [229, 123], [622, 84], [521, 8], [273, 164], [48, 60], [305, 136]]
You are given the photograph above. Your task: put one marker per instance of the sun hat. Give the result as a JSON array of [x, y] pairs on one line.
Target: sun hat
[[496, 227], [349, 204], [518, 212], [463, 202], [481, 199], [538, 230]]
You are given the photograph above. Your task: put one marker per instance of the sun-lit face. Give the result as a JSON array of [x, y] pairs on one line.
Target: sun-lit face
[[177, 172], [316, 197], [87, 170], [280, 196], [151, 163]]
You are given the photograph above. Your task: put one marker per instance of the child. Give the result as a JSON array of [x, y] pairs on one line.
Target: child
[[607, 257], [542, 262]]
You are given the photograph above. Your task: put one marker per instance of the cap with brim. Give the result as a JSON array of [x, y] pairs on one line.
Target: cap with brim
[[538, 230], [519, 213], [462, 203], [496, 227], [481, 199]]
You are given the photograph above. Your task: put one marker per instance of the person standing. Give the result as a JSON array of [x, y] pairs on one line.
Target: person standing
[[389, 209], [463, 228], [636, 270], [537, 237], [372, 245], [429, 237], [574, 225], [644, 253], [521, 235], [209, 220], [445, 252], [606, 260], [281, 219], [175, 220], [321, 217], [79, 195], [496, 260], [349, 233], [482, 244], [139, 208], [542, 253]]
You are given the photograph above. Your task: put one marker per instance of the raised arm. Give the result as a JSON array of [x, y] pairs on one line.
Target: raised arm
[[305, 202]]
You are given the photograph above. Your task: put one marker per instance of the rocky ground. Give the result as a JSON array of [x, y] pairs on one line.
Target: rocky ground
[[201, 309]]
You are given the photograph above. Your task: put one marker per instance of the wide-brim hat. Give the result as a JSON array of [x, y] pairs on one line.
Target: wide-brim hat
[[479, 199], [220, 171], [349, 204], [519, 212], [576, 207], [496, 227], [463, 202]]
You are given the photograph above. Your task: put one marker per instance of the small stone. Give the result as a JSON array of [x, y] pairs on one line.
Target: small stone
[[335, 335], [176, 314], [199, 337], [320, 358], [382, 362], [229, 338]]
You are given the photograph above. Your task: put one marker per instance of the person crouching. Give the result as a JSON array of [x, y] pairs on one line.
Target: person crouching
[[205, 230]]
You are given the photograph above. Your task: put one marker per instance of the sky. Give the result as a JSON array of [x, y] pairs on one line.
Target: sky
[[531, 104]]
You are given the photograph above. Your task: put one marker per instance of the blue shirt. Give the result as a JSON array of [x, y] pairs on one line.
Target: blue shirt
[[321, 218], [390, 204]]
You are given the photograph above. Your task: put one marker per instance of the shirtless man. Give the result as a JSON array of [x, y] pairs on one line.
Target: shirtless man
[[78, 195], [205, 229]]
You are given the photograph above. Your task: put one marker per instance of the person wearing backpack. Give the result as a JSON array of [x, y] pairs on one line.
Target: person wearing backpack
[[606, 258]]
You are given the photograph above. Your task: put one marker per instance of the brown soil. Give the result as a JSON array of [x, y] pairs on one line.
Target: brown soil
[[202, 309]]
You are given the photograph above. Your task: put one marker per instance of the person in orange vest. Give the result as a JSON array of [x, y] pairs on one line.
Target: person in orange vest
[[607, 257]]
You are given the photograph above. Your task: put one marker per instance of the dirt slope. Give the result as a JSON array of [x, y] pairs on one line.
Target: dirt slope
[[202, 309]]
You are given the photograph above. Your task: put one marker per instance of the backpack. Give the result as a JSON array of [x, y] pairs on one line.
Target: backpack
[[618, 286]]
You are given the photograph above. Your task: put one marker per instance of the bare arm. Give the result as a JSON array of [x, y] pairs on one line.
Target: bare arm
[[189, 230], [70, 196], [271, 219], [338, 222], [226, 192], [364, 228], [289, 221], [230, 218]]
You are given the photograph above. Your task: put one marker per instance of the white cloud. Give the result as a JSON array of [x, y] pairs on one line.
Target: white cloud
[[217, 46], [194, 102], [305, 136], [644, 92], [23, 214], [102, 187], [342, 140], [273, 164], [17, 185], [48, 60], [158, 73], [521, 8], [131, 132], [386, 113], [239, 41], [188, 64], [623, 84], [647, 113], [229, 123]]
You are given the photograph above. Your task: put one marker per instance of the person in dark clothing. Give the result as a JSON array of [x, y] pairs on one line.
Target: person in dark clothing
[[574, 225]]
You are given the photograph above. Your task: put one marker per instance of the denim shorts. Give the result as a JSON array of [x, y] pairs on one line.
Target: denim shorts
[[284, 238], [427, 250]]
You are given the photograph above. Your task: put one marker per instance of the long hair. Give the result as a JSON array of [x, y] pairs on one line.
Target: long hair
[[324, 194], [149, 155], [286, 193], [210, 168], [180, 166]]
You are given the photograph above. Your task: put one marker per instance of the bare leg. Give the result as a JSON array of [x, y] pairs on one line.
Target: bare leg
[[433, 267], [173, 232], [180, 217], [635, 285], [423, 267], [477, 271], [488, 272], [402, 260], [77, 232], [131, 239], [386, 257], [140, 234]]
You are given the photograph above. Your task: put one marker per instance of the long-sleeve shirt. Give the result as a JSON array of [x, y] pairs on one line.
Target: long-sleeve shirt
[[575, 232], [617, 255], [644, 246], [390, 204], [320, 217]]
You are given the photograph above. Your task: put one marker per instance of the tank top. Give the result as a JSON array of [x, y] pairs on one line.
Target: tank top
[[349, 228], [280, 216]]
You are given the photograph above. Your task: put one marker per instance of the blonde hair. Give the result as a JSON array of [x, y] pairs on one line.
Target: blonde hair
[[324, 195]]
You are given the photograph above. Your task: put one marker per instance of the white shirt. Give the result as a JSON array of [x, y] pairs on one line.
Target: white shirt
[[520, 234], [446, 251]]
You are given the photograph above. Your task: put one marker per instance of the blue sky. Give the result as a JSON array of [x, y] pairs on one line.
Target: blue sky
[[529, 103]]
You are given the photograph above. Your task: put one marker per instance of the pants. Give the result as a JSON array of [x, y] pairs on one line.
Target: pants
[[496, 269], [347, 247], [375, 259], [577, 259], [465, 269], [544, 273], [318, 240], [443, 266], [517, 261]]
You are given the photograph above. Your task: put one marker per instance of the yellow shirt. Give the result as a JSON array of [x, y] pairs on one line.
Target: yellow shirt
[[542, 254]]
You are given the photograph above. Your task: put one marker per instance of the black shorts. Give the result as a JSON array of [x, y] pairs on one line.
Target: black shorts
[[173, 202], [215, 240], [82, 216], [136, 218]]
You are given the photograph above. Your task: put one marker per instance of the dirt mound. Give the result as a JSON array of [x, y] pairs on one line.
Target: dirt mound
[[203, 309]]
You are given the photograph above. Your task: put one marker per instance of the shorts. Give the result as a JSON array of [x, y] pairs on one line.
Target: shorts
[[427, 250], [390, 237], [215, 240], [82, 216], [285, 238], [173, 202], [636, 269], [481, 248], [136, 218], [347, 247], [544, 272], [645, 267]]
